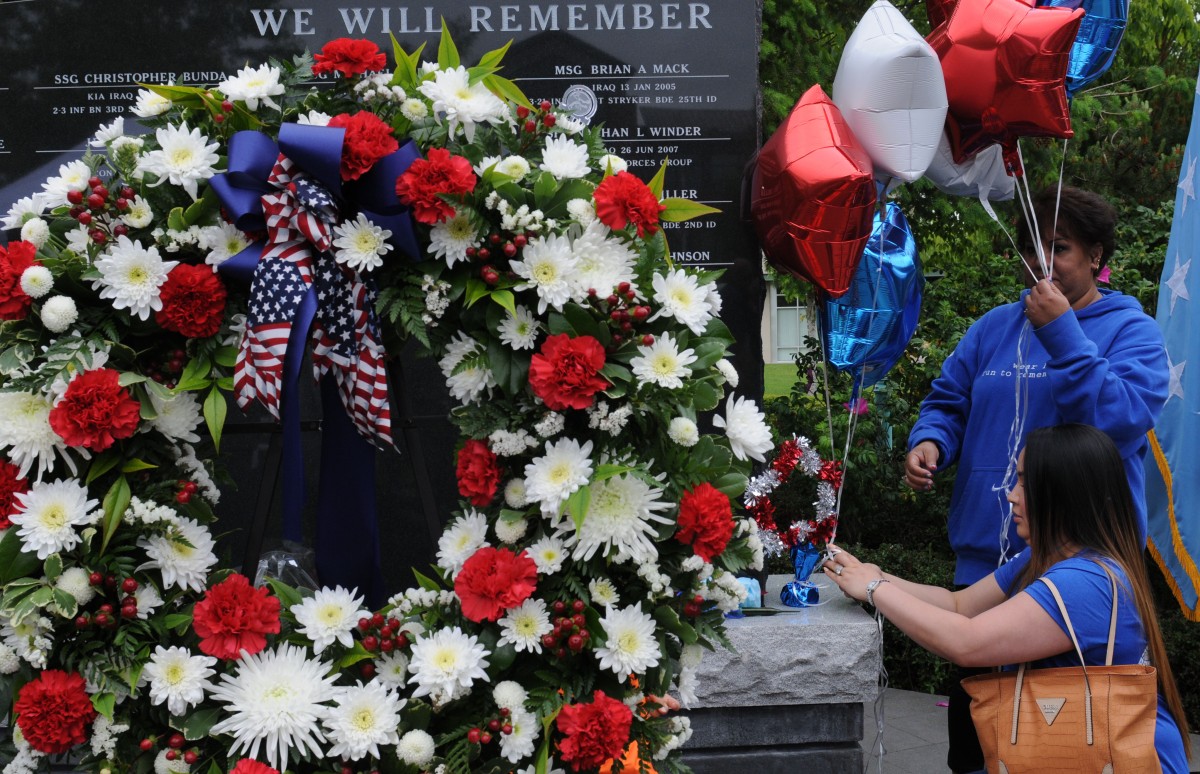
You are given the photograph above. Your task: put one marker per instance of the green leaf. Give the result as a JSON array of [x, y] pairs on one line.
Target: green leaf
[[67, 605], [287, 595], [544, 188], [604, 472], [505, 299], [135, 464], [684, 209], [406, 64], [101, 465], [656, 183], [354, 655], [115, 503], [53, 567], [201, 207], [447, 51], [429, 584], [705, 397], [615, 372], [492, 58], [226, 357], [195, 375], [707, 353], [731, 484], [581, 321], [198, 722], [506, 90], [177, 621], [215, 410], [669, 618], [127, 378], [476, 289], [104, 703], [15, 563], [175, 220], [577, 505]]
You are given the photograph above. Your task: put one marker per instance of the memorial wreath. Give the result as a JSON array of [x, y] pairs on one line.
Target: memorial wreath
[[329, 204]]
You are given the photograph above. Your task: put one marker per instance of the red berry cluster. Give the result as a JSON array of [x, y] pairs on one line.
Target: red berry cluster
[[106, 613], [186, 490], [486, 731], [175, 751], [380, 634], [166, 370], [570, 633], [539, 118], [226, 107], [499, 245], [98, 208], [622, 312], [693, 608]]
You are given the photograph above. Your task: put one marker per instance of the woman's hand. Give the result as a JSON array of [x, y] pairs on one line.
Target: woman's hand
[[1045, 303], [851, 575], [920, 465]]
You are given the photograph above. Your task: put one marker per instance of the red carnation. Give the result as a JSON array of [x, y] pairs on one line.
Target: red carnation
[[492, 580], [11, 485], [95, 411], [593, 733], [14, 302], [54, 711], [248, 766], [566, 373], [478, 474], [622, 199], [193, 302], [368, 139], [234, 616], [705, 520], [426, 180], [349, 56]]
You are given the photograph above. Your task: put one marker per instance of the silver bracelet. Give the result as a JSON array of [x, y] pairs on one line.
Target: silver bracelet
[[871, 589]]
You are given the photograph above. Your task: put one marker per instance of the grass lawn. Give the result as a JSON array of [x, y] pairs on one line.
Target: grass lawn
[[778, 379]]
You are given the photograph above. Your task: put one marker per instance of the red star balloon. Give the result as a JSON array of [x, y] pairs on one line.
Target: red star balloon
[[813, 195], [1005, 64], [938, 11]]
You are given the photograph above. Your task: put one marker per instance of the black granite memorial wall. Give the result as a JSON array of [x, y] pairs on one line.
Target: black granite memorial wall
[[673, 81]]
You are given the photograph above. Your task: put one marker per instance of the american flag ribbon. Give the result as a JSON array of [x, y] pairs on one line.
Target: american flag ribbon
[[300, 215]]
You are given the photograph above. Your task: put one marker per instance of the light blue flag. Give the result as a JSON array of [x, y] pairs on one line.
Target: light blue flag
[[1173, 465]]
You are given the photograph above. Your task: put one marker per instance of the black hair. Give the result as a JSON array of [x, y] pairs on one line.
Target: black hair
[[1082, 215]]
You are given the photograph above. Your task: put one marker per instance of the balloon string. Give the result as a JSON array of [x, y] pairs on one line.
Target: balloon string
[[1025, 196], [877, 748]]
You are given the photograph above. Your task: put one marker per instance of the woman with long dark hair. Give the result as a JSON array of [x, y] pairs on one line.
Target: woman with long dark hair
[[1072, 505]]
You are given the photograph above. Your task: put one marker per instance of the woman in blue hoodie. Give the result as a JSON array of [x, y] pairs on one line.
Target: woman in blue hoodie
[[1067, 351]]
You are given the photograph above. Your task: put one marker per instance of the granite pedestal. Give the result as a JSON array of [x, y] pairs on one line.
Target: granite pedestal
[[790, 698]]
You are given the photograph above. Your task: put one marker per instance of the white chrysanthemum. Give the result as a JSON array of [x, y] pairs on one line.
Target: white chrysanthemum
[[26, 431], [683, 431], [72, 176], [468, 384], [25, 208], [445, 664], [521, 331], [109, 132], [548, 554], [164, 766], [185, 157], [314, 118], [75, 581], [35, 231], [662, 363], [550, 768], [361, 244], [132, 276], [178, 417], [59, 313], [414, 109], [524, 625], [515, 495], [150, 104], [9, 660], [630, 646], [729, 372], [392, 669], [183, 555], [564, 158], [276, 699], [509, 695], [178, 678], [416, 748], [548, 267], [148, 600], [603, 592], [254, 84], [515, 167], [329, 616], [620, 519], [223, 241], [461, 539], [30, 639], [139, 214], [612, 164], [510, 531], [78, 240], [450, 238], [37, 281], [582, 211], [602, 263], [48, 515], [462, 104], [362, 718], [679, 295], [519, 744], [553, 477], [746, 428]]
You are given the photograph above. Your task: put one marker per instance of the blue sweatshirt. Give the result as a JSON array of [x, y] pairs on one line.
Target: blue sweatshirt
[[1103, 365]]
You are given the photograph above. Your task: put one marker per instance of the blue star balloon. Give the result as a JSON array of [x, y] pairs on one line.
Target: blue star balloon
[[1096, 42], [866, 330]]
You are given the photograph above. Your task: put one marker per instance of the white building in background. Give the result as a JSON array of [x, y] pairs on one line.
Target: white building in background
[[785, 324]]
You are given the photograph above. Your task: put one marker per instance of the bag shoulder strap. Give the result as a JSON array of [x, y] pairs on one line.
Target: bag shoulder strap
[[1112, 619]]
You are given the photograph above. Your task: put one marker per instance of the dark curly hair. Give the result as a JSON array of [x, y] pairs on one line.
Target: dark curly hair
[[1086, 217]]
